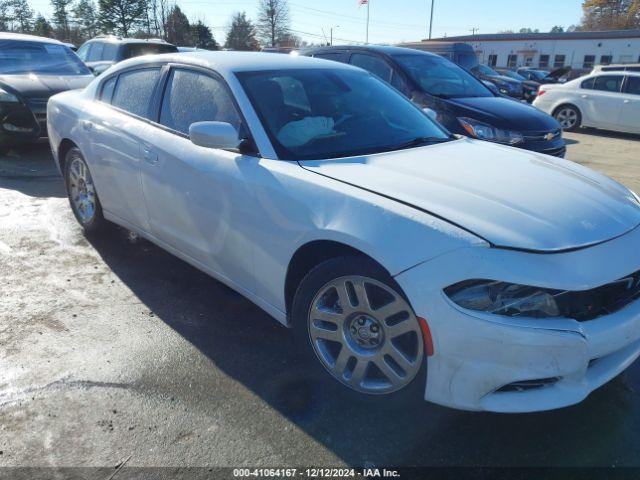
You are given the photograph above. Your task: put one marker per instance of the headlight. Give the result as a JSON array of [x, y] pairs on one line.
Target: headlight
[[482, 131], [502, 298], [7, 97]]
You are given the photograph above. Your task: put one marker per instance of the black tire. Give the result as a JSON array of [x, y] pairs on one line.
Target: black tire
[[560, 114], [310, 286], [96, 222]]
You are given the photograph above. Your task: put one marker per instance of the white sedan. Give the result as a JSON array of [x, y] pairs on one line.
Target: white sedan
[[387, 244], [607, 100]]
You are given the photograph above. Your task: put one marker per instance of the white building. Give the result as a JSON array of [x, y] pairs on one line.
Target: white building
[[578, 50]]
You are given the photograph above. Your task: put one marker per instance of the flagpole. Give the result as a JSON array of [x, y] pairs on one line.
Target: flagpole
[[367, 38]]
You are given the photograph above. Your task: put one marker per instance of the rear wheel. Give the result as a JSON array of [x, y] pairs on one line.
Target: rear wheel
[[82, 192], [568, 117], [354, 325]]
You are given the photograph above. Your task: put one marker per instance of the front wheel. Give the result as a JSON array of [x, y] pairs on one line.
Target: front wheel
[[82, 192], [351, 319], [568, 117]]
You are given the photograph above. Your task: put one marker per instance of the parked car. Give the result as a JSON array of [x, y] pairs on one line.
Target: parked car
[[626, 67], [31, 70], [529, 87], [460, 102], [104, 51], [558, 75], [506, 85], [387, 244], [606, 100], [459, 53]]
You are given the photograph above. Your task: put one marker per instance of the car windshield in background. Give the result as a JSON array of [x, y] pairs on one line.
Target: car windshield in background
[[540, 74], [490, 72], [515, 75], [467, 60], [139, 49], [442, 78], [18, 57], [312, 114]]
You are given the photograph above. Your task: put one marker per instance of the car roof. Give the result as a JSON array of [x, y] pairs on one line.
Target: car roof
[[27, 38], [228, 62], [385, 49], [116, 39], [622, 73]]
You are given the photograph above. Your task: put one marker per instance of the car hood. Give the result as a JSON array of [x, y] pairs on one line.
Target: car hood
[[512, 198], [505, 79], [44, 86], [505, 113]]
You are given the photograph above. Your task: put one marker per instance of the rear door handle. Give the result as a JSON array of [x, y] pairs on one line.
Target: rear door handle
[[87, 126], [584, 96], [627, 101], [149, 155]]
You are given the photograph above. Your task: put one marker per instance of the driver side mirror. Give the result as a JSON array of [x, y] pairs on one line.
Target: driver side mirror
[[491, 86], [432, 114], [214, 135]]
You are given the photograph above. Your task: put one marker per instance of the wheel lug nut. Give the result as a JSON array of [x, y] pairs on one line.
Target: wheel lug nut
[[374, 328], [361, 321]]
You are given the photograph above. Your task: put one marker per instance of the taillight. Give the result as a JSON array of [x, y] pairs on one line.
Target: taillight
[[541, 92]]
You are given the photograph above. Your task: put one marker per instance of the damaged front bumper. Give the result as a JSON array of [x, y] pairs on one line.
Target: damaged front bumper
[[23, 122], [516, 364]]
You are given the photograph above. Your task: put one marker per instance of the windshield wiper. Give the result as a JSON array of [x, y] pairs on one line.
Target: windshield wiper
[[420, 141]]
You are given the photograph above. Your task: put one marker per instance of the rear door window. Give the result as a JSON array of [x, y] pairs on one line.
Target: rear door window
[[192, 97], [134, 91], [109, 52], [107, 89], [95, 53], [632, 85], [375, 65], [608, 83]]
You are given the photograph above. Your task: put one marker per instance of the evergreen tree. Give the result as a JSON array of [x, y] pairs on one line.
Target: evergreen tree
[[202, 36], [177, 28], [86, 18], [241, 34], [61, 18], [121, 16], [22, 16], [42, 27]]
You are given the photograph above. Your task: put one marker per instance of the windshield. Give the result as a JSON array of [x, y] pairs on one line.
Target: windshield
[[139, 49], [467, 60], [483, 69], [442, 78], [19, 57], [539, 74], [512, 74], [330, 113]]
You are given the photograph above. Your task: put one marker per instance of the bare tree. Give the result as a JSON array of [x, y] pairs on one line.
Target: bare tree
[[273, 21]]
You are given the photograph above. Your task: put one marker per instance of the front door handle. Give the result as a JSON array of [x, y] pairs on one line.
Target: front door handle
[[87, 126], [584, 96], [627, 101], [149, 155]]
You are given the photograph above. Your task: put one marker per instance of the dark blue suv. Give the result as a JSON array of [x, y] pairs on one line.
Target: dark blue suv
[[456, 98]]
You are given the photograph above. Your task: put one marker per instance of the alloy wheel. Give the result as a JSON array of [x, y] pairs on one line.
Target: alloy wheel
[[82, 190], [567, 117], [365, 334]]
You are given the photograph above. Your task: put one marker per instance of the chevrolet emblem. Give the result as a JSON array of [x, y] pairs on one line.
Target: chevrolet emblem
[[549, 136]]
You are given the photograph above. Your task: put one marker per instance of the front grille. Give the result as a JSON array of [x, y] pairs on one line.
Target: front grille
[[542, 136], [556, 152], [591, 304]]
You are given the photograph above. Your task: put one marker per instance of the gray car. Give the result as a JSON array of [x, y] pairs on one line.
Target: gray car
[[101, 52]]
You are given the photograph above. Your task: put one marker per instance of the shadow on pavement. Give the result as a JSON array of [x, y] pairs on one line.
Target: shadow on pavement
[[250, 347], [32, 171], [609, 134]]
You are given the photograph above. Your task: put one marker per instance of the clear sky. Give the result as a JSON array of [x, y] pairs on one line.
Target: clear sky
[[391, 21]]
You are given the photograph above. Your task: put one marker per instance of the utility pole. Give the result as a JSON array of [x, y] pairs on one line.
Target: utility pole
[[431, 19], [367, 36], [473, 30], [331, 34]]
